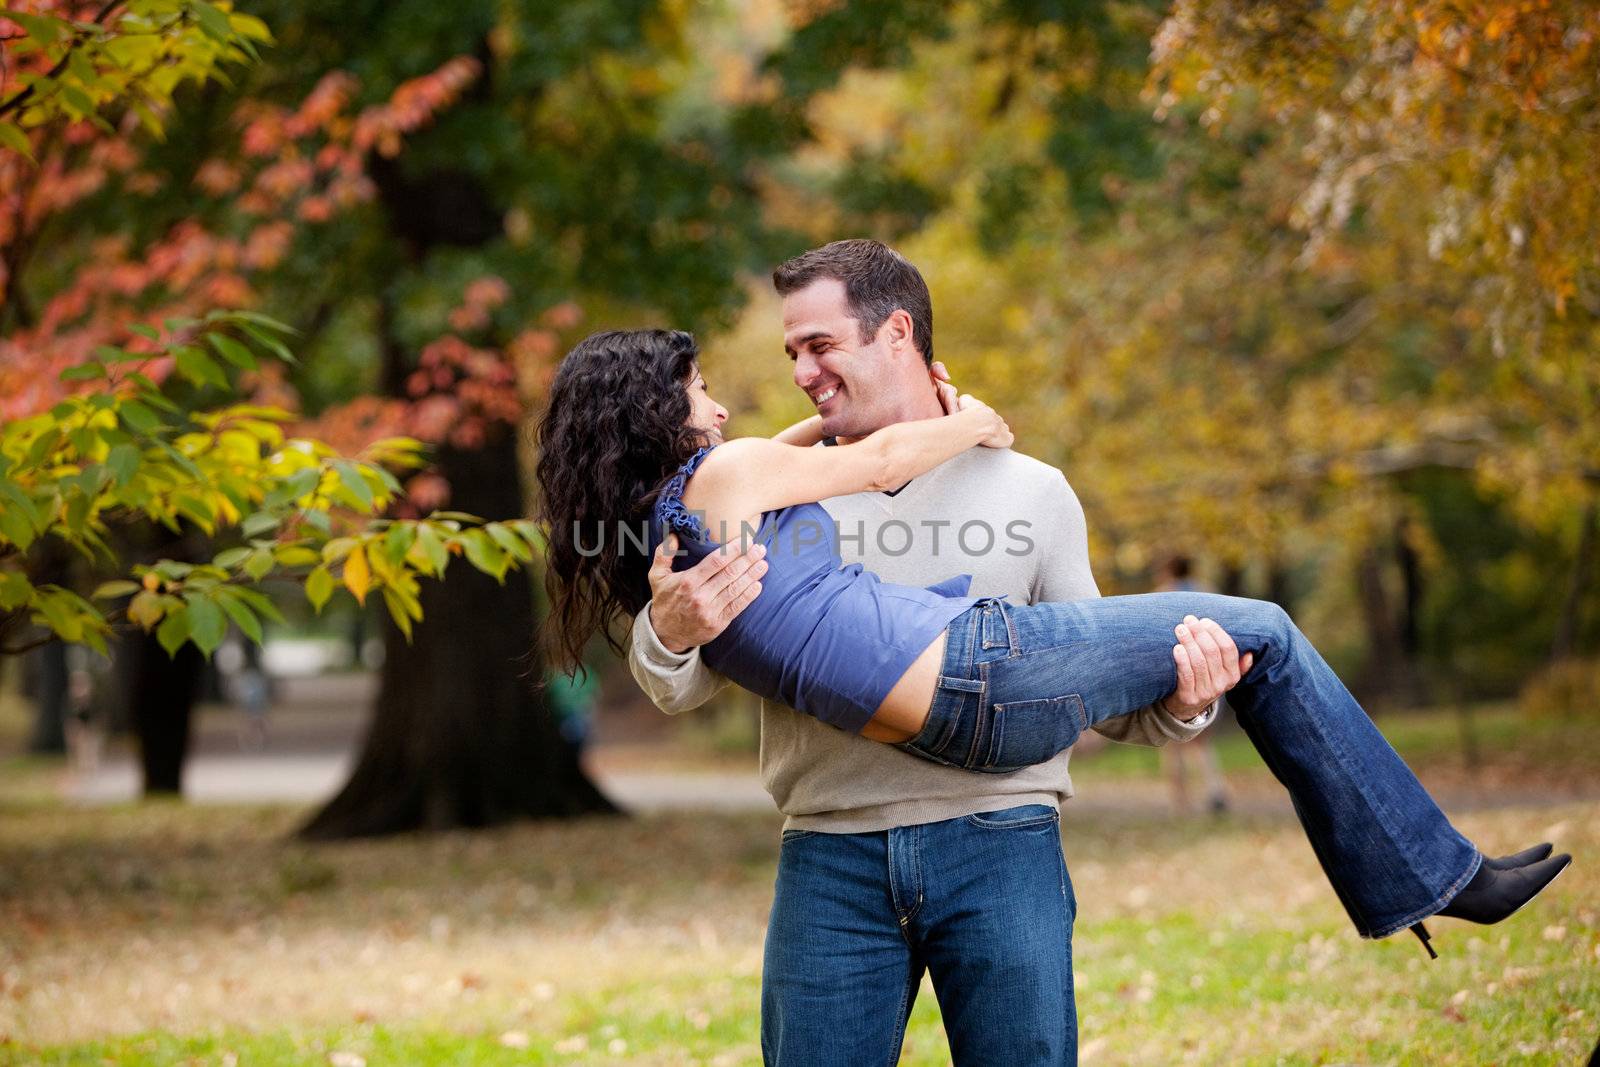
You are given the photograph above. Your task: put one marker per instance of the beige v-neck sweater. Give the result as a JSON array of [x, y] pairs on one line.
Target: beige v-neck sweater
[[1011, 522]]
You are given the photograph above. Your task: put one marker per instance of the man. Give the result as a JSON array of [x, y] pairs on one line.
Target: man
[[892, 865]]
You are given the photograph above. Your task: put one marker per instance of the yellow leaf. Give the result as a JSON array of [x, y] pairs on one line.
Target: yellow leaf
[[357, 575]]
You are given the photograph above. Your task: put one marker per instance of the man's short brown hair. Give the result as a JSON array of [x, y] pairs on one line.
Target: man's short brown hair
[[877, 280]]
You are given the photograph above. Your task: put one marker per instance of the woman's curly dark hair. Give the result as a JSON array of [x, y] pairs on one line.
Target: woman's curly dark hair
[[615, 430]]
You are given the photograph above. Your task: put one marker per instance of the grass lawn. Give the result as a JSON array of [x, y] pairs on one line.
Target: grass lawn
[[167, 934]]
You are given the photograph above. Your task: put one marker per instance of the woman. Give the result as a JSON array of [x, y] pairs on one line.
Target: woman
[[632, 453]]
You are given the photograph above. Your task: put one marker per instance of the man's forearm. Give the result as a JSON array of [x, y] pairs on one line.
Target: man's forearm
[[674, 681], [1156, 726]]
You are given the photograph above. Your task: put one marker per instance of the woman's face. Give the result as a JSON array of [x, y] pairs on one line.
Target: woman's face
[[705, 414]]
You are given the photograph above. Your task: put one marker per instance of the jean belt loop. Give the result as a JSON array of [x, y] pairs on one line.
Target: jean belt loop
[[996, 625], [974, 639]]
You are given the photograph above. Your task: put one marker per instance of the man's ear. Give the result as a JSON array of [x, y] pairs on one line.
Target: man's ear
[[898, 331]]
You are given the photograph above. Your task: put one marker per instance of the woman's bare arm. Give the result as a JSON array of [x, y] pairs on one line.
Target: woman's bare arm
[[743, 478], [804, 433]]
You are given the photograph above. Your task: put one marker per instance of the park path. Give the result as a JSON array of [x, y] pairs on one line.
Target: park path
[[317, 723], [310, 747]]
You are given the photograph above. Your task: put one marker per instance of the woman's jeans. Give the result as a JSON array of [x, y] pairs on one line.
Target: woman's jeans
[[1019, 684]]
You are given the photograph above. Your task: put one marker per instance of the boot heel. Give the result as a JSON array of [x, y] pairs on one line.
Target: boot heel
[[1422, 935]]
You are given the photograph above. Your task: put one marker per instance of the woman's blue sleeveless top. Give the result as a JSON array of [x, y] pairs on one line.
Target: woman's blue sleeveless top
[[825, 639]]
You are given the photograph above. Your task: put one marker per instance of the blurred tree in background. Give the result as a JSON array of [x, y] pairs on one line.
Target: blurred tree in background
[[568, 154], [113, 444], [1231, 267]]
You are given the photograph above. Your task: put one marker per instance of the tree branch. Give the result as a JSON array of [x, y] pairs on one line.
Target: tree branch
[[18, 99]]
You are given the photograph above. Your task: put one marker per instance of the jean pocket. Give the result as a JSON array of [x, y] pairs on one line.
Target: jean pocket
[[1024, 817], [798, 835], [955, 698], [1025, 732]]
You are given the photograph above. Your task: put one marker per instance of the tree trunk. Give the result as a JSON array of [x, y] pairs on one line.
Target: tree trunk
[[1566, 639], [48, 664], [159, 691], [1390, 673], [161, 697], [1232, 583], [1280, 588], [460, 736]]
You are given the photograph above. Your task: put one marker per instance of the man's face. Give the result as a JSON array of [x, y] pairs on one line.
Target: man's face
[[857, 386]]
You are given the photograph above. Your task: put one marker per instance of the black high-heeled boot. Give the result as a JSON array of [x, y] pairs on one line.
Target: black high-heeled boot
[[1519, 859], [1496, 893]]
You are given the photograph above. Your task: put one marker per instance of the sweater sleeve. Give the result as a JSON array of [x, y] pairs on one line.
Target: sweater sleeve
[[1064, 574], [675, 682]]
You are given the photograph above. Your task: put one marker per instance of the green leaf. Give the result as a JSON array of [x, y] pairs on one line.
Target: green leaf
[[240, 614], [145, 331], [429, 553], [259, 523], [261, 563], [230, 558], [398, 539], [213, 23], [42, 28], [174, 630], [249, 26], [484, 554], [83, 440], [232, 351], [319, 586], [58, 612], [13, 138], [397, 611], [295, 555], [269, 342], [123, 460], [294, 487], [173, 570], [200, 368], [24, 503], [96, 640], [81, 372], [78, 101], [258, 600], [140, 418], [352, 480], [188, 465], [42, 446], [115, 588], [509, 541], [207, 624], [15, 590], [338, 549], [199, 511]]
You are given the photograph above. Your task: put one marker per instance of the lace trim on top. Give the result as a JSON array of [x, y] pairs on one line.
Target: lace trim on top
[[670, 510]]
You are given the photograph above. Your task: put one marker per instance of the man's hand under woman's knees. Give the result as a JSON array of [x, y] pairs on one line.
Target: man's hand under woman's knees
[[1208, 665], [688, 608]]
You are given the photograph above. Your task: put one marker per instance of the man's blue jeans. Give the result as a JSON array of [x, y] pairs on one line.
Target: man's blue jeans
[[1018, 684], [982, 903]]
